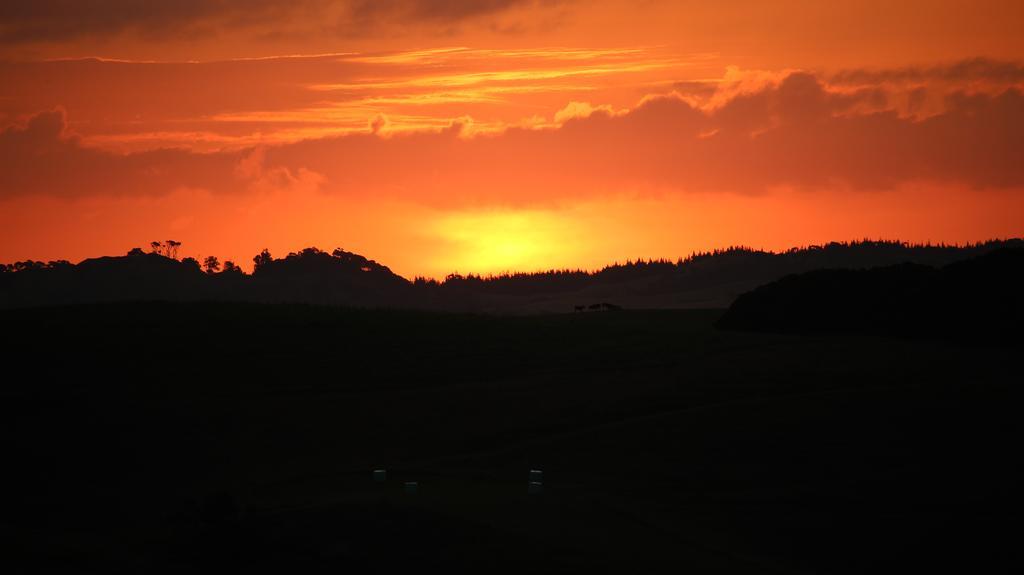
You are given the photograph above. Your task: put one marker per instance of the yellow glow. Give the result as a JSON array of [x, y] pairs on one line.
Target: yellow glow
[[442, 54], [406, 57], [474, 78], [498, 241]]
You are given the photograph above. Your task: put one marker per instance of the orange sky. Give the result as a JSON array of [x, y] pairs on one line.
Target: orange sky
[[439, 136]]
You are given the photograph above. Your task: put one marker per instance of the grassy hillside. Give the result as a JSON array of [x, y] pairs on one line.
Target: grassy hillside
[[211, 437]]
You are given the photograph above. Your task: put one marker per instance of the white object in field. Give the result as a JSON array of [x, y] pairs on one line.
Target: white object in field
[[380, 475], [534, 488], [536, 475], [411, 486]]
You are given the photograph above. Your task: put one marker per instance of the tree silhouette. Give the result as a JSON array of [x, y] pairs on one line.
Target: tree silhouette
[[28, 265], [156, 246], [231, 267], [171, 248], [211, 264], [136, 252], [263, 258]]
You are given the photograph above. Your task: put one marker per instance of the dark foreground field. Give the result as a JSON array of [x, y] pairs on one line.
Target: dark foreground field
[[152, 438]]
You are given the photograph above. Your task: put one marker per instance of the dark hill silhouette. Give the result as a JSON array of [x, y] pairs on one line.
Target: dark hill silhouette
[[341, 278], [310, 276], [978, 298], [138, 276], [702, 280]]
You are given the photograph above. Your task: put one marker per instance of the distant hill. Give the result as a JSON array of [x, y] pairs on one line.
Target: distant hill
[[309, 276], [702, 280], [314, 276], [141, 276], [980, 298]]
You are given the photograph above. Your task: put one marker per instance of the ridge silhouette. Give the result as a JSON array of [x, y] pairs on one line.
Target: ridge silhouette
[[702, 280], [977, 299]]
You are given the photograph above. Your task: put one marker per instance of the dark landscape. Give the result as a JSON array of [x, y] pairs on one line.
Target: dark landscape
[[212, 436]]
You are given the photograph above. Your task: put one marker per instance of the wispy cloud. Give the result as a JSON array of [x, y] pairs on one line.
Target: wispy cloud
[[232, 103]]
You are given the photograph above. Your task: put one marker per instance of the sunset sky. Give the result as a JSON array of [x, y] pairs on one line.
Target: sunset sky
[[439, 136]]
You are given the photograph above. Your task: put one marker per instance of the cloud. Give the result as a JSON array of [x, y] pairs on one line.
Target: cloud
[[1001, 72], [34, 21], [575, 109], [41, 157], [797, 133], [436, 10], [700, 90], [252, 170], [49, 20], [243, 102]]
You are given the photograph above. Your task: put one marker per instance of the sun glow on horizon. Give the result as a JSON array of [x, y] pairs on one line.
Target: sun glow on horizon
[[498, 241]]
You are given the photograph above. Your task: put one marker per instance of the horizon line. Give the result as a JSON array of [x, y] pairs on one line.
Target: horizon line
[[589, 271]]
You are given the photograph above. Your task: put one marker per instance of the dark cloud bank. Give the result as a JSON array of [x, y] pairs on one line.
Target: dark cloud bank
[[27, 21], [794, 134]]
